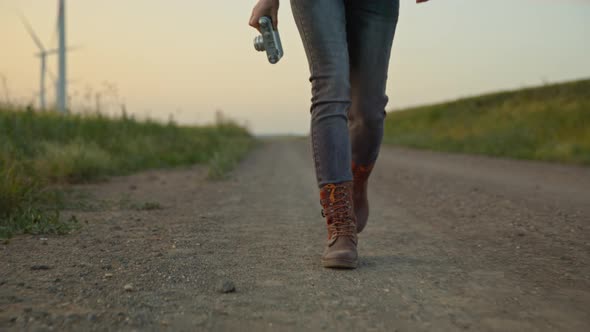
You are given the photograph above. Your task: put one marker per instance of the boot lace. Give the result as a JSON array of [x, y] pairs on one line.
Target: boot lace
[[338, 212]]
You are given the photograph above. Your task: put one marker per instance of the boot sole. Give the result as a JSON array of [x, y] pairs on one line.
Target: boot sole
[[339, 264]]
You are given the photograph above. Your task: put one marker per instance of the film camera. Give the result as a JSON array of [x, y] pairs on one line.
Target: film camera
[[269, 40]]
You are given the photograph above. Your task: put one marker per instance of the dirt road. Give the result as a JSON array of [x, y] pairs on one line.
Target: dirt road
[[453, 243]]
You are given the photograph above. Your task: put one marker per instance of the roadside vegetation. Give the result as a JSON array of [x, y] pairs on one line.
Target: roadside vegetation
[[41, 150], [550, 123]]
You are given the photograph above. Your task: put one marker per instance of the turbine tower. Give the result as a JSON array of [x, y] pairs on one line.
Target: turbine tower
[[42, 55], [62, 70]]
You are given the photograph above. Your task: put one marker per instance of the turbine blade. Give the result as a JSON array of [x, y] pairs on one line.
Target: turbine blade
[[50, 52], [32, 32], [68, 49], [51, 74]]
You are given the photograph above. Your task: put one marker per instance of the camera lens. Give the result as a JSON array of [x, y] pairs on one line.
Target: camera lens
[[259, 43]]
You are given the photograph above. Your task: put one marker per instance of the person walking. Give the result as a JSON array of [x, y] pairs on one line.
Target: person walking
[[348, 45]]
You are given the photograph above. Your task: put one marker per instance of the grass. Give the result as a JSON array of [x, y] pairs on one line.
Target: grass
[[550, 123], [41, 149]]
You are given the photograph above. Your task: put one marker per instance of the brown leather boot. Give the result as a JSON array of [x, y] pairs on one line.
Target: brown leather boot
[[336, 200], [361, 175]]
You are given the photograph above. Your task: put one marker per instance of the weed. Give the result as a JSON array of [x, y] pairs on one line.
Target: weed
[[148, 206]]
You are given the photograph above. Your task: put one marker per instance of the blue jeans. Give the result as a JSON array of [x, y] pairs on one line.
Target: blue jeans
[[348, 45]]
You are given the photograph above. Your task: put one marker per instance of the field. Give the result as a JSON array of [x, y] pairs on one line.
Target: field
[[454, 241], [41, 150], [550, 123]]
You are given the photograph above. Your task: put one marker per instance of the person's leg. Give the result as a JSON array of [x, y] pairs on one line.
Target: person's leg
[[322, 26], [371, 28], [370, 31]]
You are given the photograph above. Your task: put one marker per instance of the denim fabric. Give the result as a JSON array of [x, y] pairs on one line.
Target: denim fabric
[[348, 45]]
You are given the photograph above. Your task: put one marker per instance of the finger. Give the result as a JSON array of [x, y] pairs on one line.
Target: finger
[[254, 23], [275, 18]]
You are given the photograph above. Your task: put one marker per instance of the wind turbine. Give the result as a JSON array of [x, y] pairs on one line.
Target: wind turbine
[[62, 92], [42, 55], [61, 86]]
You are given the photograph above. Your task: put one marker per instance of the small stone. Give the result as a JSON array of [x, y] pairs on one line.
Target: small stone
[[42, 314], [108, 275], [43, 241], [128, 288], [226, 286], [91, 317], [40, 267], [71, 318]]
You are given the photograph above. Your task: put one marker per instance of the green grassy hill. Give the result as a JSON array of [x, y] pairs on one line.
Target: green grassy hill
[[41, 149], [549, 123]]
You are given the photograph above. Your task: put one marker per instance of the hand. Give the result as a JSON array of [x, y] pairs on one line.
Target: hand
[[265, 8]]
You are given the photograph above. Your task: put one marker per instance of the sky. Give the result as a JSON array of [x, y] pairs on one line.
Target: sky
[[187, 59]]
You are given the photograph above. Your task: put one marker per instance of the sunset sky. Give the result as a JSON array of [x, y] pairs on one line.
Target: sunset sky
[[190, 58]]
